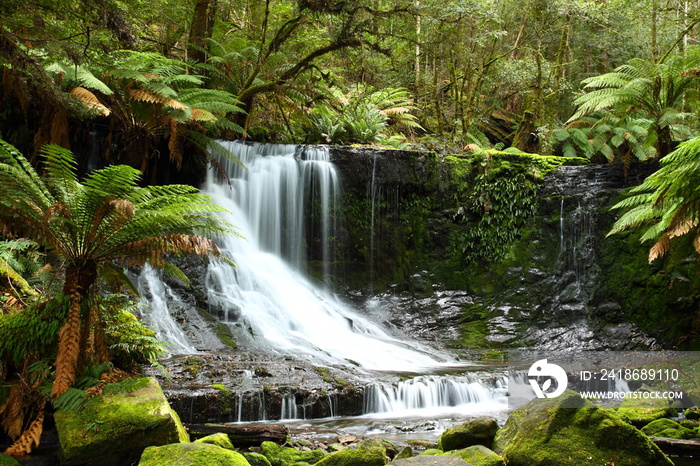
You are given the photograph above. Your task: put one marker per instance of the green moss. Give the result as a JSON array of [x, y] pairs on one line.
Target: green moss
[[223, 333], [191, 454], [668, 428], [641, 411], [116, 426], [479, 455], [6, 460], [569, 430], [257, 459], [373, 456], [479, 431], [218, 439], [287, 456]]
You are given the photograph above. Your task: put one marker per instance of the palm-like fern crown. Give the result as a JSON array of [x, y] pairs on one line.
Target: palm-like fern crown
[[667, 204], [107, 216], [653, 88]]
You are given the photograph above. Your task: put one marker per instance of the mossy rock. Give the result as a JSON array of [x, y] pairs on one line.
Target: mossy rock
[[668, 428], [7, 460], [479, 455], [432, 452], [115, 427], [218, 439], [641, 411], [428, 460], [388, 447], [287, 456], [406, 452], [257, 459], [570, 430], [370, 456], [191, 454], [692, 414], [479, 431]]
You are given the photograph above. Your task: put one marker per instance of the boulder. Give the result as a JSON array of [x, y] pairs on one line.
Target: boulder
[[479, 431], [640, 410], [287, 456], [479, 455], [372, 456], [692, 413], [428, 460], [191, 454], [115, 427], [257, 459], [668, 428], [218, 439], [571, 430]]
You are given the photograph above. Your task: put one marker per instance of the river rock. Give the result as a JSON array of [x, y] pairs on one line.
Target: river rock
[[571, 430], [188, 454], [427, 460], [668, 428], [115, 427], [479, 431], [373, 456], [287, 456], [257, 459], [692, 413], [479, 455], [219, 439], [640, 410]]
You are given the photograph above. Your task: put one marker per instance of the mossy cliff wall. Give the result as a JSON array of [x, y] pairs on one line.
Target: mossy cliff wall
[[513, 230]]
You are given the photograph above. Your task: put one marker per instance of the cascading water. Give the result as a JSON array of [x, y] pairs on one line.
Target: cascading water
[[157, 297], [283, 201], [277, 307]]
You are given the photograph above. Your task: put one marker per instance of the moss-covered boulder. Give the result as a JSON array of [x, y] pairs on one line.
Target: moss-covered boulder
[[431, 460], [479, 431], [287, 456], [479, 455], [372, 456], [571, 430], [115, 427], [218, 439], [6, 460], [668, 428], [191, 454], [257, 459], [692, 413], [641, 410]]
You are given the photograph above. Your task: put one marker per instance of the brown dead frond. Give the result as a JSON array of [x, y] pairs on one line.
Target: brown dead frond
[[660, 248], [175, 143], [12, 412], [144, 95], [30, 437], [90, 100], [68, 349], [113, 376]]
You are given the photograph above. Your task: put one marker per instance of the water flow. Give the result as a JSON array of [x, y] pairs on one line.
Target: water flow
[[279, 309], [436, 394], [157, 298]]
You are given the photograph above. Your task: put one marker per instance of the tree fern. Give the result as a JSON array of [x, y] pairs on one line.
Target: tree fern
[[107, 217], [667, 204]]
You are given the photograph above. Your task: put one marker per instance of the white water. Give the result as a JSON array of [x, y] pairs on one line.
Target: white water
[[267, 292], [157, 297], [436, 395]]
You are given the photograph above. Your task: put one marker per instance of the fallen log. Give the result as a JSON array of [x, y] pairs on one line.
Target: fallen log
[[243, 435], [672, 446]]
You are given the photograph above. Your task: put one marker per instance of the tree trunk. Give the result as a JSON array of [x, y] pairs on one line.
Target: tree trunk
[[201, 29]]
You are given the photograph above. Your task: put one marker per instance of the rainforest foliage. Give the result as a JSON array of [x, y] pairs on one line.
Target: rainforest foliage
[[110, 99]]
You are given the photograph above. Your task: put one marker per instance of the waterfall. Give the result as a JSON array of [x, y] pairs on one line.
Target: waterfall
[[266, 294], [460, 393], [157, 298]]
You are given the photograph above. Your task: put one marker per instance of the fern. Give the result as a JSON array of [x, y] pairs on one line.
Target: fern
[[667, 204]]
